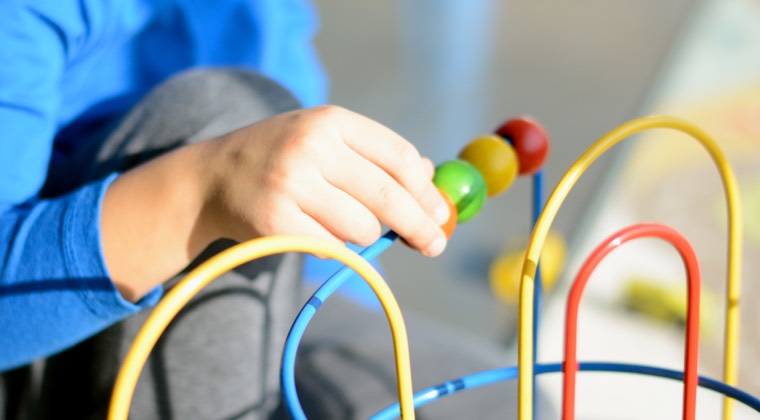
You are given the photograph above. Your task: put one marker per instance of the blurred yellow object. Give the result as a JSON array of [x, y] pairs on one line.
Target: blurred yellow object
[[666, 301], [504, 275]]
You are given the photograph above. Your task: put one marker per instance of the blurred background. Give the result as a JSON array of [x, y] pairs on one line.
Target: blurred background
[[441, 72]]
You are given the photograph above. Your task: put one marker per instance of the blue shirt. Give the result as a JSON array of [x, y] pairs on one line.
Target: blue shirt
[[68, 65]]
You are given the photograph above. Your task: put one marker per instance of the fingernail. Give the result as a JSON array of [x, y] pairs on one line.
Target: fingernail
[[441, 214], [437, 247]]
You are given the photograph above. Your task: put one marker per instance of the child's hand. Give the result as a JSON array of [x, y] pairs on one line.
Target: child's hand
[[325, 172]]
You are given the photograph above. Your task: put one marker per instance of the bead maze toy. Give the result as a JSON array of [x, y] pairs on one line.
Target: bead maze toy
[[484, 168]]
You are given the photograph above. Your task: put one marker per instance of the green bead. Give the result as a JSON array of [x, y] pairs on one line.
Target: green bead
[[465, 186]]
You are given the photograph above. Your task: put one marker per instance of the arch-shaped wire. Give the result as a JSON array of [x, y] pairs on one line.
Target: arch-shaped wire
[[202, 275], [526, 360], [691, 374]]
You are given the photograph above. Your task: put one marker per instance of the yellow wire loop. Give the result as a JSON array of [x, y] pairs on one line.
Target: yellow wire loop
[[178, 296], [525, 333]]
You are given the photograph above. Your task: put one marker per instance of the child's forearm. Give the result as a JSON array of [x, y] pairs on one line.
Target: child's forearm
[[150, 221]]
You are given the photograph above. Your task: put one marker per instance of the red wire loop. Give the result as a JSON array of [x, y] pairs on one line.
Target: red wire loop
[[691, 264]]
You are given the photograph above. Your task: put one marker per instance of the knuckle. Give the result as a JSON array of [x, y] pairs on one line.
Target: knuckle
[[299, 139], [407, 155], [387, 196], [429, 198], [366, 231], [302, 150], [329, 111], [409, 167]]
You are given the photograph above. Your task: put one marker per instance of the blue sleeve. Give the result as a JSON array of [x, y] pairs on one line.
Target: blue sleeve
[[28, 99], [54, 286]]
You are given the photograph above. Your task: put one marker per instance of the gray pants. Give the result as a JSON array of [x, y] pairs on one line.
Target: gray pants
[[220, 358]]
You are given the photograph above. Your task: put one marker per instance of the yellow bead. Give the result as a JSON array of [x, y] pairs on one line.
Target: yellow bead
[[496, 160]]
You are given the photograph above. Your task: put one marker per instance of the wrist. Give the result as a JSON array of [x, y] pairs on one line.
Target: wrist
[[152, 221], [202, 184]]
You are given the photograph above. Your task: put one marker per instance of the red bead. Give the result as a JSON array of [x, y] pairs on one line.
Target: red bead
[[530, 141]]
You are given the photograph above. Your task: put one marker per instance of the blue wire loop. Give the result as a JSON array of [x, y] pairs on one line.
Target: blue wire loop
[[297, 330], [490, 377]]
